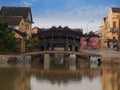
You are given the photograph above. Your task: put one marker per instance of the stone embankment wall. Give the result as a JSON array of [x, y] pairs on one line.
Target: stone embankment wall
[[108, 55], [5, 57], [112, 58]]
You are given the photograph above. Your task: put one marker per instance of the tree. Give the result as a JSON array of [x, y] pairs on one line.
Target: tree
[[31, 42], [8, 42], [91, 33]]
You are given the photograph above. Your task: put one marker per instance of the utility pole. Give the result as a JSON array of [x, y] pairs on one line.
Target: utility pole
[[87, 26]]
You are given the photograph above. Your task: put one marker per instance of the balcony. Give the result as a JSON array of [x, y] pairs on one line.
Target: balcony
[[114, 30]]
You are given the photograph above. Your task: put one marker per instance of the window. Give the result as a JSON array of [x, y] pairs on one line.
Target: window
[[114, 24], [27, 26]]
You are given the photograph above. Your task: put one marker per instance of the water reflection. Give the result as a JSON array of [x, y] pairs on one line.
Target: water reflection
[[14, 79], [68, 73], [110, 77]]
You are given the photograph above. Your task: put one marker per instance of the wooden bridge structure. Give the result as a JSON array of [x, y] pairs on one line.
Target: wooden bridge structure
[[80, 53], [55, 52]]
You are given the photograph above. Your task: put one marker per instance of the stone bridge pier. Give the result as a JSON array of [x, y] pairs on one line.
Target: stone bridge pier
[[69, 61]]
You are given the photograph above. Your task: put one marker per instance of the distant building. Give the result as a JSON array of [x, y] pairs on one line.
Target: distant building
[[24, 12], [18, 25], [90, 41], [94, 42], [110, 27], [83, 42], [20, 19], [59, 38], [35, 30]]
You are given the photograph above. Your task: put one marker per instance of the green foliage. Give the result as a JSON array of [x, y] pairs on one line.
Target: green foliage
[[8, 42], [31, 41]]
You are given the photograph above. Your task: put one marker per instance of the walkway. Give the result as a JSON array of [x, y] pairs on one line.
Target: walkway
[[108, 55], [81, 53]]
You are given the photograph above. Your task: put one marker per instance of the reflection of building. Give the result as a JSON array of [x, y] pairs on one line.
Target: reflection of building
[[14, 79], [59, 65], [23, 80], [110, 78], [110, 26]]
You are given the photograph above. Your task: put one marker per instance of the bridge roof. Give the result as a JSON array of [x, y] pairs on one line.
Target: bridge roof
[[60, 31]]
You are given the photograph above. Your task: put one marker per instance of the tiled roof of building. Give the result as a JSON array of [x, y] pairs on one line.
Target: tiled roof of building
[[115, 9], [12, 20], [16, 11], [98, 32], [21, 33], [36, 28]]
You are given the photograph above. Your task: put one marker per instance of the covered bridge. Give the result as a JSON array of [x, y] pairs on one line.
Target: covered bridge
[[59, 38]]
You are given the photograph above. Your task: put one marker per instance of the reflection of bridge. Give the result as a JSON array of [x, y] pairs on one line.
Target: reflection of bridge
[[20, 78], [64, 76]]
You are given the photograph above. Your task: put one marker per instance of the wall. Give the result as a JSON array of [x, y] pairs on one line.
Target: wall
[[94, 42], [34, 30], [83, 43], [108, 31], [28, 27], [89, 42]]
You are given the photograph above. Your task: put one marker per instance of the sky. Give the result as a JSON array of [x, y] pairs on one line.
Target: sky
[[84, 14]]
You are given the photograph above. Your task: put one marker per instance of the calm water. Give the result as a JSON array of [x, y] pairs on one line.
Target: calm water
[[59, 74]]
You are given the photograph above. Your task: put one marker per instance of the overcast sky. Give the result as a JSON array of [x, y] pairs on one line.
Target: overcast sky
[[72, 13]]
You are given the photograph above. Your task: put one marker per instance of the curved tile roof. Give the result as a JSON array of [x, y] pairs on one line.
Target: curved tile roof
[[12, 20], [17, 11]]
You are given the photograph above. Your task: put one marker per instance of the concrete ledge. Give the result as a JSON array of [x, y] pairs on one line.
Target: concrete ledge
[[108, 55]]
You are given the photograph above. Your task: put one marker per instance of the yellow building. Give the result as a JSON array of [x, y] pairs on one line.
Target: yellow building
[[24, 12], [35, 30], [18, 24], [20, 18], [105, 32], [110, 27]]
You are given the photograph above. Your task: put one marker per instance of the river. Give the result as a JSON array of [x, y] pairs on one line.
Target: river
[[77, 74]]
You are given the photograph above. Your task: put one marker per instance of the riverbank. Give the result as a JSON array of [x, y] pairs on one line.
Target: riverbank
[[108, 55]]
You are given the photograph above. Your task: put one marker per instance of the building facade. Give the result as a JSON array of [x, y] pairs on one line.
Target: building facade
[[110, 28], [90, 42], [18, 25], [20, 19], [35, 30], [59, 38], [24, 12]]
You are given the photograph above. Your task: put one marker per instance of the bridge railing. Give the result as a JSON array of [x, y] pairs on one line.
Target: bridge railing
[[62, 41]]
